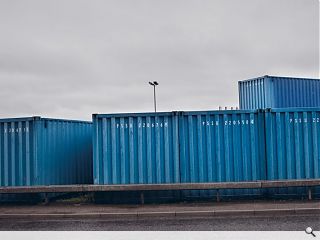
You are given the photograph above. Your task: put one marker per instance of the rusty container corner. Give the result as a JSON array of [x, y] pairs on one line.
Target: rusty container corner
[[44, 151]]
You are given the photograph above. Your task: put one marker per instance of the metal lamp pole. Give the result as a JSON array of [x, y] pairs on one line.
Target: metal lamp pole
[[154, 84]]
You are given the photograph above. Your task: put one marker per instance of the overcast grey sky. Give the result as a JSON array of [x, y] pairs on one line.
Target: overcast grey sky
[[71, 58]]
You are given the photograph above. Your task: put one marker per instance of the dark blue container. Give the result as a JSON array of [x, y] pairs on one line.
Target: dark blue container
[[279, 92], [43, 151]]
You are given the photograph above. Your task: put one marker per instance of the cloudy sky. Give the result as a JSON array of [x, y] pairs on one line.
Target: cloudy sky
[[73, 58]]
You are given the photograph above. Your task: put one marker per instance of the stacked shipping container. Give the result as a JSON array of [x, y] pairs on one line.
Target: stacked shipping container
[[279, 92]]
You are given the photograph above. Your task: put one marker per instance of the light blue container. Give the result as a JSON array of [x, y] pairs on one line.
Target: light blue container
[[293, 143], [43, 151], [207, 146], [136, 148], [278, 92], [221, 146], [292, 147], [173, 147]]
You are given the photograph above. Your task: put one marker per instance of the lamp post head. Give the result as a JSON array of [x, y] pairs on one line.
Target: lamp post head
[[154, 83]]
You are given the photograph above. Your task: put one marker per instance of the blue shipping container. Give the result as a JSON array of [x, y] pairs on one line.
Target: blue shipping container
[[278, 92], [293, 143], [43, 151], [222, 146], [178, 147], [136, 148], [207, 146]]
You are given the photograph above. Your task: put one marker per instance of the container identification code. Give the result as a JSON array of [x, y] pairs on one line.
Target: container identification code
[[228, 123], [305, 120], [143, 125], [15, 130]]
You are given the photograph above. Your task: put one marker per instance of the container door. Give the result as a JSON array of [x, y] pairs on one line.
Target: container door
[[136, 148], [293, 140], [17, 166], [222, 146]]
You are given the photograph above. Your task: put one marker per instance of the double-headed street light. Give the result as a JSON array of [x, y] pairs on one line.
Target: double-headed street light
[[154, 84]]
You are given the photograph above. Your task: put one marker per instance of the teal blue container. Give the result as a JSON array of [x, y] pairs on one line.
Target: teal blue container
[[174, 147], [208, 146], [293, 143], [279, 92], [43, 151], [136, 148], [293, 147], [221, 146]]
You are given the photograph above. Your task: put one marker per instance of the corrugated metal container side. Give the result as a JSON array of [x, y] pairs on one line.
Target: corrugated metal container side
[[222, 146], [293, 143], [65, 149], [43, 151], [293, 146], [278, 92], [136, 148], [207, 146]]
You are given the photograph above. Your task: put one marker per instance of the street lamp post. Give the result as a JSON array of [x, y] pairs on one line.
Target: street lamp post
[[154, 84]]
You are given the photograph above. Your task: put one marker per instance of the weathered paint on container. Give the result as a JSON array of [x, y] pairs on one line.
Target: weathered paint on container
[[293, 143], [136, 148], [43, 151], [279, 92]]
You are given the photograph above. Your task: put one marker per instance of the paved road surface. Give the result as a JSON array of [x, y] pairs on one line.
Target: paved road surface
[[249, 223]]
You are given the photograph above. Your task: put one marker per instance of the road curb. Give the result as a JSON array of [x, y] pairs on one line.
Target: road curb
[[168, 214], [232, 212], [194, 213]]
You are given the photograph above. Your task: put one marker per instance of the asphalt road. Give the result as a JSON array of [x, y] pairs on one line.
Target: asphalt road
[[230, 223]]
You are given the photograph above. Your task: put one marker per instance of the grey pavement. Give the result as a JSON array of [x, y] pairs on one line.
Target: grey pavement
[[249, 215], [86, 209], [226, 223]]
